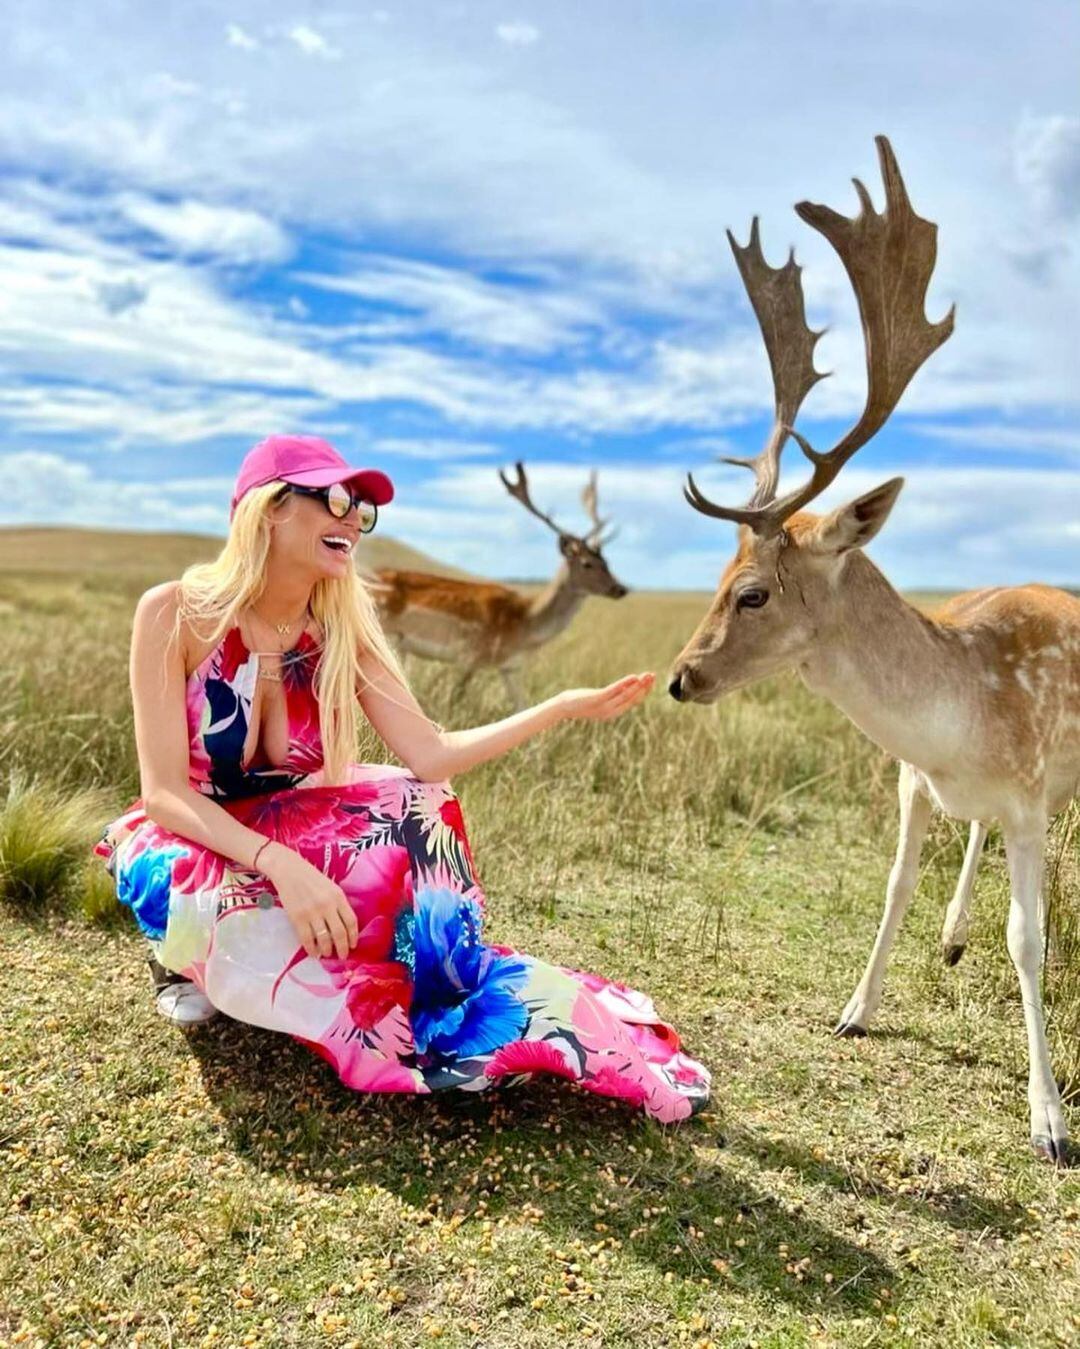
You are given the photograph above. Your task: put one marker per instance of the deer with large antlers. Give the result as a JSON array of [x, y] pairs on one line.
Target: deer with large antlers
[[980, 703], [479, 624]]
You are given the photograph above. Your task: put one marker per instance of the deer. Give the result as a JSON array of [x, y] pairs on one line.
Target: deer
[[480, 624], [978, 701]]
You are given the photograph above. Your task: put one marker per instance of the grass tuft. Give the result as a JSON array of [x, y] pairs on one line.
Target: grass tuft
[[45, 834]]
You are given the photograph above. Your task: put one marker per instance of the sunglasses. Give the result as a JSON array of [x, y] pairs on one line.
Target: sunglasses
[[339, 500]]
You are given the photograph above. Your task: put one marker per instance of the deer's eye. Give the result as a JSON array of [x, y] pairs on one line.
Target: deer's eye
[[751, 598]]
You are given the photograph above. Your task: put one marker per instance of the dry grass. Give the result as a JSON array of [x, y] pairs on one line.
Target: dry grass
[[222, 1189]]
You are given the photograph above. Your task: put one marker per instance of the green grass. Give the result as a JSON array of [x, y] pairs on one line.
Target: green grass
[[44, 837], [222, 1188]]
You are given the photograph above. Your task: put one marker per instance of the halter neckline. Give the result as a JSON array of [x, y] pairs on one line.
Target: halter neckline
[[305, 640], [286, 654]]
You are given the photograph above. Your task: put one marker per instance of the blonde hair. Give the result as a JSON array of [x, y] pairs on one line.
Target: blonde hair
[[214, 594]]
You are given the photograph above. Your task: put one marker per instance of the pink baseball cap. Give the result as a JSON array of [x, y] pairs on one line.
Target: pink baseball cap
[[307, 461]]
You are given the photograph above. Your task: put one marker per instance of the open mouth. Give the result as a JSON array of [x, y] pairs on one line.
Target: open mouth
[[337, 543]]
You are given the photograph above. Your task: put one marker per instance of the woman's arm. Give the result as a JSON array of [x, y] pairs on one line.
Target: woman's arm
[[158, 689], [433, 754]]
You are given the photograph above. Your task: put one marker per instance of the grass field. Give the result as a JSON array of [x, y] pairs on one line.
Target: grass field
[[220, 1188]]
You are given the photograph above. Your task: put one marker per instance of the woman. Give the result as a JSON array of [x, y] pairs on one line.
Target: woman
[[292, 888]]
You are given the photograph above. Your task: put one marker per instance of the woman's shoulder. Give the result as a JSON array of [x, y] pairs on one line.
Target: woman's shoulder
[[160, 600], [158, 605], [158, 615], [161, 617]]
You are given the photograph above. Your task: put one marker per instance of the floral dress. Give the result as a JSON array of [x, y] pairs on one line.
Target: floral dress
[[421, 1002]]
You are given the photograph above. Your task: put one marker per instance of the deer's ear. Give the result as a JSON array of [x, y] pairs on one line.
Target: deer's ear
[[854, 525]]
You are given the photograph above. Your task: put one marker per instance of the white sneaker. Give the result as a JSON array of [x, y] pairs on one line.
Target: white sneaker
[[185, 1004]]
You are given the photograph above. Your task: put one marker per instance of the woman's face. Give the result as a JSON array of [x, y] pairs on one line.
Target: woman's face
[[305, 535]]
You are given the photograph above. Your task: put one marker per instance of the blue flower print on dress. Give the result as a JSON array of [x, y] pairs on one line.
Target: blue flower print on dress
[[466, 996], [144, 885]]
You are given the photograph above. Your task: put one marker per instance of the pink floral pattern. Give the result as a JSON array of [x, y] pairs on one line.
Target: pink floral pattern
[[421, 1002]]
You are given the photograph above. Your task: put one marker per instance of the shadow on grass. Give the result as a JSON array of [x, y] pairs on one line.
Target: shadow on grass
[[574, 1165], [946, 1050], [874, 1182], [943, 1050]]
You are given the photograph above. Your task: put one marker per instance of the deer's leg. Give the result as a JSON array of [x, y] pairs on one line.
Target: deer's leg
[[915, 812], [954, 934], [511, 677], [1026, 852]]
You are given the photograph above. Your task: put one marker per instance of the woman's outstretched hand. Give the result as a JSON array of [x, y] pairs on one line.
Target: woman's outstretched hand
[[606, 703]]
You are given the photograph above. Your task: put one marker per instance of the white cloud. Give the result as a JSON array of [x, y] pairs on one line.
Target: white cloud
[[609, 195], [240, 37], [433, 448], [312, 43], [38, 216], [98, 225], [517, 34], [171, 86], [56, 323], [976, 526], [424, 134], [188, 333], [194, 227], [422, 129], [147, 415], [950, 527], [81, 306], [44, 488], [1048, 162], [447, 300], [1059, 440]]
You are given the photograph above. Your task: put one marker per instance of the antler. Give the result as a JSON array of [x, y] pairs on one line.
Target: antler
[[590, 502], [889, 259], [777, 297], [519, 490]]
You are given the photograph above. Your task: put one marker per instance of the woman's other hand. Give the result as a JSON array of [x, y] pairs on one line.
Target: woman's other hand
[[606, 703], [317, 908]]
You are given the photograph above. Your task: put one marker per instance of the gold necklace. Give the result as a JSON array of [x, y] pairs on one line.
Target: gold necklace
[[282, 629]]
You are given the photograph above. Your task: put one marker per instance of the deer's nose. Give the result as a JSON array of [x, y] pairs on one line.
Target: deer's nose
[[675, 688]]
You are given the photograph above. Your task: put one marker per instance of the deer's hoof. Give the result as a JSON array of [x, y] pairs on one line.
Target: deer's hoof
[[1056, 1151], [951, 954], [850, 1030]]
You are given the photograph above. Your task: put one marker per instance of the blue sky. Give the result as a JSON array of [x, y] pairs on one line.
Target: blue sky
[[453, 235]]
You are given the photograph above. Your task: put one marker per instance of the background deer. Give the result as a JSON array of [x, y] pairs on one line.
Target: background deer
[[981, 702], [481, 623]]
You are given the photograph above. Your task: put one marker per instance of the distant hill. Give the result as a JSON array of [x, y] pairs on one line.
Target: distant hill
[[151, 557]]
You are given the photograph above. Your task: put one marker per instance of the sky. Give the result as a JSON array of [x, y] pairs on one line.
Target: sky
[[451, 236]]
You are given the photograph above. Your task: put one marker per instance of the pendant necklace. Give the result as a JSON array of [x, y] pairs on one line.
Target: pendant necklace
[[283, 630]]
